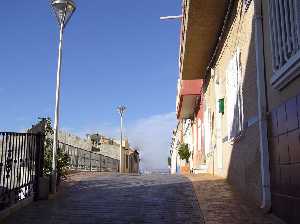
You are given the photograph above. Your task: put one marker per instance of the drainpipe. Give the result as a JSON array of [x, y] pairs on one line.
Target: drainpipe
[[262, 108]]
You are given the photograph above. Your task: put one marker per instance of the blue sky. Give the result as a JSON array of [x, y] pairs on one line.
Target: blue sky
[[114, 52]]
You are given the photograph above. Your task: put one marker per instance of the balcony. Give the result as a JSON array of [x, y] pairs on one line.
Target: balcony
[[189, 92], [201, 24]]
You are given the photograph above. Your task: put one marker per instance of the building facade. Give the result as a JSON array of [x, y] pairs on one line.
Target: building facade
[[281, 55], [111, 148], [238, 97]]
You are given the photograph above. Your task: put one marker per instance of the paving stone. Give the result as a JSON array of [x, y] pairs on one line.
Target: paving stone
[[120, 199], [92, 198], [221, 204]]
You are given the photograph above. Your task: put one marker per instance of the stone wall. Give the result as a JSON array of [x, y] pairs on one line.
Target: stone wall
[[71, 139], [112, 151]]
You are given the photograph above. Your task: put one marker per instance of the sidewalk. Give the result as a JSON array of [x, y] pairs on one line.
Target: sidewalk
[[220, 204]]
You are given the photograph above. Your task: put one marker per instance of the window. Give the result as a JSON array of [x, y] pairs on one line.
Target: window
[[234, 99], [285, 38]]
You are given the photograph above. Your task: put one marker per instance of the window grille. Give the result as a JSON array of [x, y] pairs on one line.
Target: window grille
[[285, 32]]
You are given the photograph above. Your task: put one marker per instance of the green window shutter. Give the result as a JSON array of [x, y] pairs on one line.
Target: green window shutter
[[221, 106]]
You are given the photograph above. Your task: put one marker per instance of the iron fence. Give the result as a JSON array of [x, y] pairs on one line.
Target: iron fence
[[20, 166], [83, 160]]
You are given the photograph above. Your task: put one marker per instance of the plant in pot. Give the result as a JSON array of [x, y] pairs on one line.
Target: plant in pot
[[184, 154]]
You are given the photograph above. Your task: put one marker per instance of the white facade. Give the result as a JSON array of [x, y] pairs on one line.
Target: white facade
[[188, 139], [174, 161], [174, 156]]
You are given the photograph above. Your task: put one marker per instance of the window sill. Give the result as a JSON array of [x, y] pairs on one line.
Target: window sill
[[282, 77]]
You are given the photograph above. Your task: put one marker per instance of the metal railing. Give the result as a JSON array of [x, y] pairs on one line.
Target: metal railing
[[84, 160], [20, 166]]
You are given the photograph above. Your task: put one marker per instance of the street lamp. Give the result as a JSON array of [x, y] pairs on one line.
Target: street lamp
[[121, 109], [170, 17], [63, 10]]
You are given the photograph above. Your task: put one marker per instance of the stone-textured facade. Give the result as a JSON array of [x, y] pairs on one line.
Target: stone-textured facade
[[211, 148]]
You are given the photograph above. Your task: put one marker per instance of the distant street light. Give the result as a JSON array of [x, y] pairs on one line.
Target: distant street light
[[121, 109], [63, 10], [170, 17]]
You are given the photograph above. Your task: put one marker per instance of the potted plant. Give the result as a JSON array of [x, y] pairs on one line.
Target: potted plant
[[184, 154]]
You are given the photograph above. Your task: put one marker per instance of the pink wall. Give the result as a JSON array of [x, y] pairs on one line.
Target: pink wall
[[199, 147]]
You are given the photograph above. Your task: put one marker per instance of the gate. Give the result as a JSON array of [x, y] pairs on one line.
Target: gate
[[21, 162]]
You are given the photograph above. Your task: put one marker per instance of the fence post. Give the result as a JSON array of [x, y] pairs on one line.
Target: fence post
[[101, 160], [99, 163], [90, 161], [39, 163], [77, 158]]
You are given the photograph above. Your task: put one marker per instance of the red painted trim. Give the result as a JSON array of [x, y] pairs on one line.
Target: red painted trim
[[179, 107], [197, 133], [188, 88], [191, 87]]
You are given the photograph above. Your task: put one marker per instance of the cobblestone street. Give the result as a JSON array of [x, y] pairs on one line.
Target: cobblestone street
[[91, 198], [116, 199], [221, 204]]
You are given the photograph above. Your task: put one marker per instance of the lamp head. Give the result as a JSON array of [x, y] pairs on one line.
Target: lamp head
[[63, 10], [121, 109]]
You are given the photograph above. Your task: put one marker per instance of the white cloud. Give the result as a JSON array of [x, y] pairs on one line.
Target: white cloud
[[153, 135]]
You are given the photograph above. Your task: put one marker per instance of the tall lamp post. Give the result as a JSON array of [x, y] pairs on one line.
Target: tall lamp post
[[121, 109], [63, 10]]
